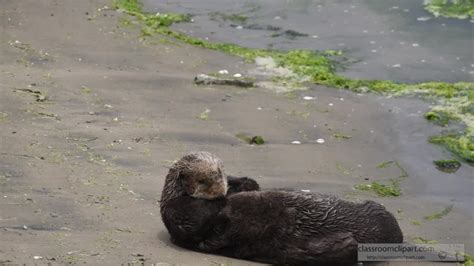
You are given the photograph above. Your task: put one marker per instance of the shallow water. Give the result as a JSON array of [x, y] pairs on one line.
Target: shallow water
[[383, 39]]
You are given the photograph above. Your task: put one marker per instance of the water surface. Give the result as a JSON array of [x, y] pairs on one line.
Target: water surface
[[396, 40]]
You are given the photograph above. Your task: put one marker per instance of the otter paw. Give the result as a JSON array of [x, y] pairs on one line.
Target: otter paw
[[202, 246]]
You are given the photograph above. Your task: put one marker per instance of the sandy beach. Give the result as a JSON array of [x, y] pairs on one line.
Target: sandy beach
[[92, 116]]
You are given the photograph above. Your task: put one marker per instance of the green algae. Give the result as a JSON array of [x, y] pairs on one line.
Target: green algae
[[447, 166], [439, 215], [3, 116], [460, 145], [235, 17], [385, 164], [421, 240], [460, 9], [454, 98], [258, 140], [441, 118], [388, 189], [341, 136], [86, 90], [468, 260], [383, 190], [151, 21], [204, 115]]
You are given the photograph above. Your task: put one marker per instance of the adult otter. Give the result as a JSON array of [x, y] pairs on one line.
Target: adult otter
[[281, 227], [193, 194]]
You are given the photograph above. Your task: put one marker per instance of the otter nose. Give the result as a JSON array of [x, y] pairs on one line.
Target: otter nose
[[216, 190]]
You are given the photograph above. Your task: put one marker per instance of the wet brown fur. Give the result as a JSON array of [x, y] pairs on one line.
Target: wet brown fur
[[282, 227], [193, 194], [277, 227]]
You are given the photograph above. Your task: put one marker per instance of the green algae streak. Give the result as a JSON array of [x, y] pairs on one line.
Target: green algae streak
[[453, 98], [461, 9]]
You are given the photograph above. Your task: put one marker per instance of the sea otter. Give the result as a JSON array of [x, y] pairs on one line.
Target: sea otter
[[193, 194], [281, 227]]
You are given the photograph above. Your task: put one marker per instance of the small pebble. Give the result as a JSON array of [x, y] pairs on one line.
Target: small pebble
[[306, 190], [223, 72], [330, 104], [308, 98], [296, 142], [237, 75]]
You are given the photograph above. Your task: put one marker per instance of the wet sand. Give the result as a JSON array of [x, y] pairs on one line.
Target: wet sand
[[81, 171]]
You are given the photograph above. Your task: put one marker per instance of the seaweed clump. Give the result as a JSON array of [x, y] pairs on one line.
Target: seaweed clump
[[461, 9], [447, 166], [462, 146], [392, 190], [258, 140]]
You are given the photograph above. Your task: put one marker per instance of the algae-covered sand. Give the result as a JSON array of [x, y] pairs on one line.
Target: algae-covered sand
[[92, 114]]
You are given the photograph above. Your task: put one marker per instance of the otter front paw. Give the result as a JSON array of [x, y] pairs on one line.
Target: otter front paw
[[204, 247], [213, 244], [239, 184]]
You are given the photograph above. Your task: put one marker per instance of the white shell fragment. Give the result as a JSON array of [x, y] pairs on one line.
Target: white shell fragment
[[223, 72], [296, 142], [320, 141], [423, 18]]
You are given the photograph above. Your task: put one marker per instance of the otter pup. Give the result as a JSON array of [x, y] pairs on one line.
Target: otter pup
[[293, 228], [194, 193]]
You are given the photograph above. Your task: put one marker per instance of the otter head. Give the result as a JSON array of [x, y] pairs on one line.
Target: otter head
[[201, 175]]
